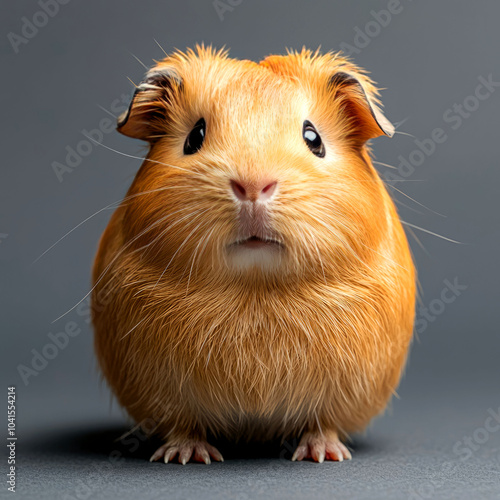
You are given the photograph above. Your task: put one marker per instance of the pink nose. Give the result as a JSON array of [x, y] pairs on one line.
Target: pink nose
[[253, 191]]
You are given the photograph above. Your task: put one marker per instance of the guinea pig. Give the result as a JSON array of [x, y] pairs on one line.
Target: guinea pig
[[256, 282]]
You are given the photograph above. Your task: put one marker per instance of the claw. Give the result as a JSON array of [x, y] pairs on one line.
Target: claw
[[201, 455], [300, 453], [169, 454], [185, 454], [188, 450]]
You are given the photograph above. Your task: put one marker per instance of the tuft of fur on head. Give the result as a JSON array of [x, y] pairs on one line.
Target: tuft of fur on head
[[312, 330]]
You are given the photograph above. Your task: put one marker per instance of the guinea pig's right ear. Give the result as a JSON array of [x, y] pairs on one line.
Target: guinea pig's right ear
[[150, 103]]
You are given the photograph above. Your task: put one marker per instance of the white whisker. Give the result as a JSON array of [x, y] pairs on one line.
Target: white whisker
[[163, 50], [430, 232], [164, 271], [419, 243], [194, 256], [404, 133], [178, 249], [107, 207], [384, 164], [399, 202], [106, 111], [417, 202], [133, 328], [139, 61], [116, 257], [136, 157], [398, 124]]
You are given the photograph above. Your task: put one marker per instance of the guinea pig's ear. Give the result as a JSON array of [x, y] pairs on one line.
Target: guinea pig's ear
[[361, 105], [150, 104]]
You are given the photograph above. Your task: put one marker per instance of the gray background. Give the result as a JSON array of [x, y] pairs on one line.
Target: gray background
[[428, 57]]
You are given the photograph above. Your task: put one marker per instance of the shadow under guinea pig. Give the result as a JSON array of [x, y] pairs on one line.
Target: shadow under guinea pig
[[119, 441]]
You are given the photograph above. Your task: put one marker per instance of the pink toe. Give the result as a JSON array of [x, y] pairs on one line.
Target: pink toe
[[318, 451], [185, 454], [201, 454], [214, 453]]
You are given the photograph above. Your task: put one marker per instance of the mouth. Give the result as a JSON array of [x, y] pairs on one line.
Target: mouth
[[255, 243]]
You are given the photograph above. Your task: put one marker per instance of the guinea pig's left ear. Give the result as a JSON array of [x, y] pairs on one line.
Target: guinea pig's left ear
[[150, 104], [359, 101]]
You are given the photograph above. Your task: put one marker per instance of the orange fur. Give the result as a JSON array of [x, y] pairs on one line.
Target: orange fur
[[316, 339]]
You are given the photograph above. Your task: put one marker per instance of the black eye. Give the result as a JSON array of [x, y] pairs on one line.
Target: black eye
[[313, 139], [195, 138]]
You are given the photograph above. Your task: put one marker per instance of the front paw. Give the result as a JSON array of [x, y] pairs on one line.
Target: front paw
[[320, 446], [186, 450]]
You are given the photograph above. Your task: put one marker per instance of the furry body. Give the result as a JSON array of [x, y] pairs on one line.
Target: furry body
[[309, 336]]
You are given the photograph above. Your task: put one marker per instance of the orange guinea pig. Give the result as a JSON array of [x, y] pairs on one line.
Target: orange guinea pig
[[256, 282]]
